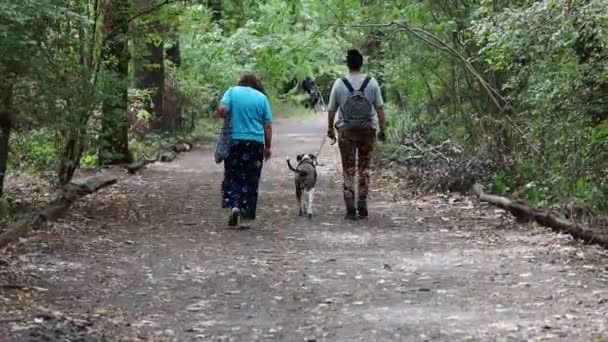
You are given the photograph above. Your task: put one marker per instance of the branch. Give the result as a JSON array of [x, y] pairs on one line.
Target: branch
[[153, 9], [70, 194], [429, 38], [93, 41], [524, 212], [112, 34]]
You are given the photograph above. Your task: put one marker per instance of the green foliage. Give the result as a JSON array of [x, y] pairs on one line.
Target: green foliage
[[284, 109], [555, 62], [89, 161], [205, 130], [547, 59], [33, 151], [279, 45]]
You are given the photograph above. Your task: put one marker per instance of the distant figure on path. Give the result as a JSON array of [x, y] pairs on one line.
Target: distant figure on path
[[310, 87], [358, 101], [247, 109]]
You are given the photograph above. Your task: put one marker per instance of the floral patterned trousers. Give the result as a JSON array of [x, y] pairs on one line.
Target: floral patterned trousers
[[242, 171], [356, 147]]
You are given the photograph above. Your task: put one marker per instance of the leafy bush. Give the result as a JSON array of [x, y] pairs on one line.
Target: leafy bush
[[34, 151], [548, 60]]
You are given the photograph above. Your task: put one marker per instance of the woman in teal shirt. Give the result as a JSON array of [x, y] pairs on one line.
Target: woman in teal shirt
[[248, 110]]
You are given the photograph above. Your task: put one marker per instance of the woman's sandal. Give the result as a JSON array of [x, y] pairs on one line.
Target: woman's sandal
[[234, 219]]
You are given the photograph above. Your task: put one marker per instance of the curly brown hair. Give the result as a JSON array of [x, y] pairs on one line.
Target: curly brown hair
[[252, 81]]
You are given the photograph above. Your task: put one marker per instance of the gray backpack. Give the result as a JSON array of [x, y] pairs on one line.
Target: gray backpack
[[358, 111]]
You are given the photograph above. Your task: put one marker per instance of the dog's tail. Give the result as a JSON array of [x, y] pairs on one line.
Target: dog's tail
[[300, 172]]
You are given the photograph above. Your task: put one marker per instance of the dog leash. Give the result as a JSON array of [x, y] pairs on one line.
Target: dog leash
[[324, 136], [321, 147], [321, 100], [323, 106]]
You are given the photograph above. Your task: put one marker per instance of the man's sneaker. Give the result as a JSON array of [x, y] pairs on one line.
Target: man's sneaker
[[351, 212], [362, 208], [233, 221]]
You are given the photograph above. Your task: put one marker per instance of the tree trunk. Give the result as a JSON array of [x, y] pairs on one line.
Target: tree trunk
[[76, 132], [151, 76], [373, 48], [114, 137], [5, 134], [173, 100], [6, 124], [174, 53], [72, 150], [172, 120], [216, 10], [150, 70]]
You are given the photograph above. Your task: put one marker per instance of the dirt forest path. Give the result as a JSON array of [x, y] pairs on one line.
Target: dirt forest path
[[151, 260]]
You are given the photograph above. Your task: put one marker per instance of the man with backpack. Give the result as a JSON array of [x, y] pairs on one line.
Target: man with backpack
[[357, 100]]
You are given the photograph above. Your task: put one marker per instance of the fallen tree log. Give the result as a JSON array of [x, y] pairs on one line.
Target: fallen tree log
[[525, 212], [167, 156], [65, 199], [181, 148], [134, 167]]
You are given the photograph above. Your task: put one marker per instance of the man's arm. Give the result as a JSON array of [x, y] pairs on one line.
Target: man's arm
[[382, 124], [379, 106], [331, 131], [332, 108], [381, 118]]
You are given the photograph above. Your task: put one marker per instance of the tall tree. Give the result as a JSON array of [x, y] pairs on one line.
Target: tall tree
[[6, 123], [174, 52], [216, 9], [150, 69], [20, 32], [114, 137], [75, 128], [173, 101]]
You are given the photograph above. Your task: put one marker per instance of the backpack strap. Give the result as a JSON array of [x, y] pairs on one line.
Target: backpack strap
[[348, 85], [365, 83]]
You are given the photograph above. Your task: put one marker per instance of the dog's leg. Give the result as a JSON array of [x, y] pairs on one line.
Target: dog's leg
[[311, 195], [299, 197], [305, 196]]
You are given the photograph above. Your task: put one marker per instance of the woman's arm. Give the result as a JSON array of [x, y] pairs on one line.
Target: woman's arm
[[223, 108], [267, 141], [221, 112], [267, 118]]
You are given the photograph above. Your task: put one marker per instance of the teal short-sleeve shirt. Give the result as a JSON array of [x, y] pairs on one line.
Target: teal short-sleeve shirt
[[250, 112]]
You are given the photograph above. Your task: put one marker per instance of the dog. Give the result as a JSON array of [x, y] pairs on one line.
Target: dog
[[305, 181]]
